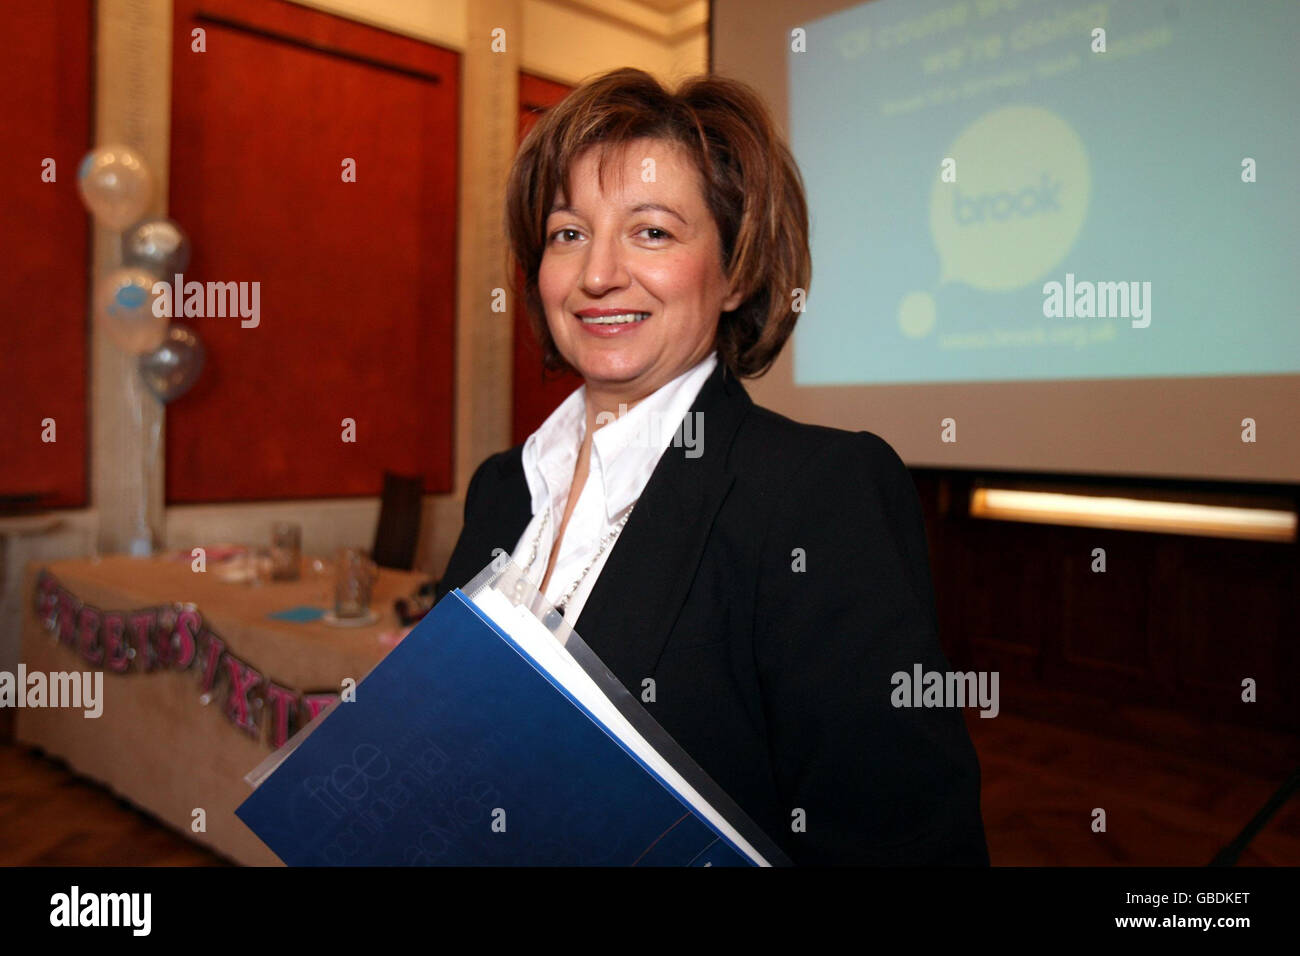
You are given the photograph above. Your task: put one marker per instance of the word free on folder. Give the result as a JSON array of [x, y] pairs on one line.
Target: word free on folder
[[492, 735]]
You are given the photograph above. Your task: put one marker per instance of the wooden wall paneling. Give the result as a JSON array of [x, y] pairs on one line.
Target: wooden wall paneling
[[1157, 645], [941, 495], [1233, 621], [357, 279], [535, 397], [1008, 609], [1106, 634], [45, 99]]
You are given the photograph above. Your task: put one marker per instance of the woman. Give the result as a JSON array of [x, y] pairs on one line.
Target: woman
[[754, 581]]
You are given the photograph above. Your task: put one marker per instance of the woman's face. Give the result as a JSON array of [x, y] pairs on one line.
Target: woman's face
[[647, 248]]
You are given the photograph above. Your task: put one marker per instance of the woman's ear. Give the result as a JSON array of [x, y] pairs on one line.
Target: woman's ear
[[732, 302]]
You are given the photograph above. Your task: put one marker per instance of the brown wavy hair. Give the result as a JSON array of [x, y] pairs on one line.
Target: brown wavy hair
[[751, 185]]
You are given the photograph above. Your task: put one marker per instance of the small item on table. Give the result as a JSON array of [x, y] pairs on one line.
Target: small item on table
[[261, 566], [286, 551], [413, 608], [301, 613], [356, 574]]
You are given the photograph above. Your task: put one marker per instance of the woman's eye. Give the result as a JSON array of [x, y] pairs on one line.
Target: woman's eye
[[567, 235]]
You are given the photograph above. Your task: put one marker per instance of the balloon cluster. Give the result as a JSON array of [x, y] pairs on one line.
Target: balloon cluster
[[116, 186]]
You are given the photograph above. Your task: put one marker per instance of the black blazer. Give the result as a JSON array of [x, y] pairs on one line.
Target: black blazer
[[770, 587]]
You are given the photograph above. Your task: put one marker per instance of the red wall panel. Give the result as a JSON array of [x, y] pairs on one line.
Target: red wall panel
[[534, 398], [45, 100], [357, 280]]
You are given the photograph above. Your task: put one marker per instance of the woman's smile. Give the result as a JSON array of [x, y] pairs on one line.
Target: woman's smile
[[608, 322]]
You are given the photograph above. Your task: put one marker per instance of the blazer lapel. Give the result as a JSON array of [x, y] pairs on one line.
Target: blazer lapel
[[631, 610]]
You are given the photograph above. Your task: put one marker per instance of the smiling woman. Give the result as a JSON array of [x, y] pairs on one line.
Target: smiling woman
[[758, 586]]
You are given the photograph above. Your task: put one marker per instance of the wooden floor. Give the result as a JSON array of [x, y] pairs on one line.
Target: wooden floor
[[1041, 784], [51, 817]]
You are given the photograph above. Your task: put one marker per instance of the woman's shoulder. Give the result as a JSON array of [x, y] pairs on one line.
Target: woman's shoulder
[[842, 493], [500, 464], [771, 443], [499, 470]]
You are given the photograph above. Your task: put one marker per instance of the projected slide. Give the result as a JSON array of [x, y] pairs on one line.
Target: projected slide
[[1026, 189]]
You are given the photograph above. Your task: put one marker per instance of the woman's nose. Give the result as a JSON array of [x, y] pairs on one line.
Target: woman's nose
[[604, 268]]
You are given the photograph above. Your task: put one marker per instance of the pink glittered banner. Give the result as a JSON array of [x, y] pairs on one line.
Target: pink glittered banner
[[174, 637]]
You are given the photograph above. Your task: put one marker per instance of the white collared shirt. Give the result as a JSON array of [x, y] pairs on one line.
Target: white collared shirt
[[624, 453]]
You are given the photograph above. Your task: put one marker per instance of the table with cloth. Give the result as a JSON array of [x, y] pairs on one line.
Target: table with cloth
[[199, 682]]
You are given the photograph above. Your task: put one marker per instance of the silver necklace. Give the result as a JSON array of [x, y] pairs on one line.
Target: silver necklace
[[604, 543]]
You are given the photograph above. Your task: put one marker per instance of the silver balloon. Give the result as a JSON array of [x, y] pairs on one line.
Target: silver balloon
[[157, 245], [115, 184], [171, 369]]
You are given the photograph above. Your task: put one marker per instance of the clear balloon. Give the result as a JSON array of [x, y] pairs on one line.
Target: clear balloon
[[115, 184], [171, 369], [159, 246], [124, 309]]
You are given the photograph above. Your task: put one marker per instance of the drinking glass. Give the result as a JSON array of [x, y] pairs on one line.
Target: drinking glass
[[286, 550], [355, 574]]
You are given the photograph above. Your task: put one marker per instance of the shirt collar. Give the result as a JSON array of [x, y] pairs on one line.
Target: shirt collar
[[625, 451], [551, 453], [629, 447]]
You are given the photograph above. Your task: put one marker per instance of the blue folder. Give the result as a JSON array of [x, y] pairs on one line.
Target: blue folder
[[459, 750]]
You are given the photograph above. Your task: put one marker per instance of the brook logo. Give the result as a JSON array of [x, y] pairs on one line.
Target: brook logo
[[1015, 203], [1002, 206]]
